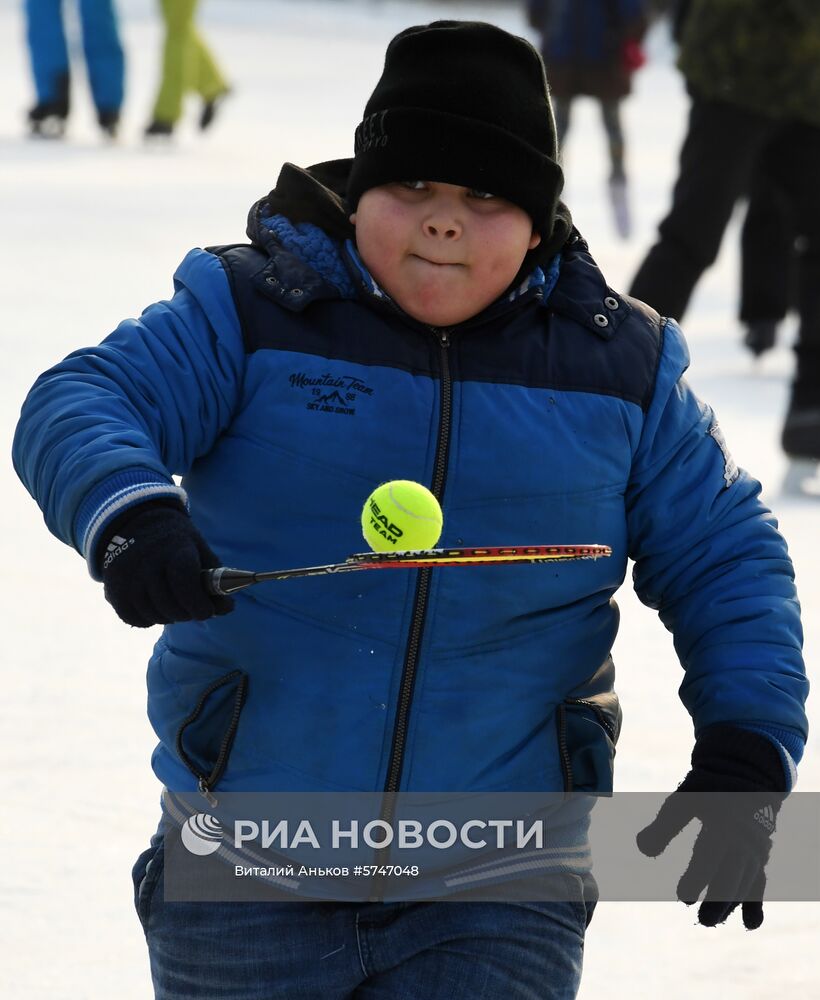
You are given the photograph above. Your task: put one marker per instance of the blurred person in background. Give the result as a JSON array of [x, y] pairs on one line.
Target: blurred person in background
[[754, 83], [770, 255], [187, 66], [592, 48], [51, 68]]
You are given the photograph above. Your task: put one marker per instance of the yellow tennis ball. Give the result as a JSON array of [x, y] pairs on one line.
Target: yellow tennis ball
[[401, 515]]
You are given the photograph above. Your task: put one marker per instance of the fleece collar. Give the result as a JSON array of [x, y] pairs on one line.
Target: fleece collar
[[306, 264], [537, 285]]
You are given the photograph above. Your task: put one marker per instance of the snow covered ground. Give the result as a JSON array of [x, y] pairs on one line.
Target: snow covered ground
[[92, 233]]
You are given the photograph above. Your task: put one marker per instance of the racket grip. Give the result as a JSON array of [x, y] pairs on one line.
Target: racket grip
[[223, 580]]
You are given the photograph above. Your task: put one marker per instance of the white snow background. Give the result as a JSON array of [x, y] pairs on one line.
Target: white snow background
[[91, 233]]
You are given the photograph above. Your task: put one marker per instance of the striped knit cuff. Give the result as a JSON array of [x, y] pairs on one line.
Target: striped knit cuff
[[565, 849], [110, 498], [789, 745]]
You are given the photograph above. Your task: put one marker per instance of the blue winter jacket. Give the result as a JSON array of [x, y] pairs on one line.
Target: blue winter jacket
[[282, 384]]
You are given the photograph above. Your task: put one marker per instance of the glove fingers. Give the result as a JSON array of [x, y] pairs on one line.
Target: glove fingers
[[731, 885], [724, 893], [168, 600], [752, 916], [673, 816], [706, 857], [184, 586], [222, 605], [753, 881], [207, 557], [753, 909], [163, 605], [136, 610], [730, 880], [714, 912]]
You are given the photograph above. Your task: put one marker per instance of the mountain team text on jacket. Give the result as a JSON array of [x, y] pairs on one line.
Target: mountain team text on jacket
[[282, 384]]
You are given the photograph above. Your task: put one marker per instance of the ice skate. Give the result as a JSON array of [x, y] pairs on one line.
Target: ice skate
[[760, 336], [618, 197], [210, 109], [801, 442], [48, 121], [109, 122], [802, 477], [158, 133]]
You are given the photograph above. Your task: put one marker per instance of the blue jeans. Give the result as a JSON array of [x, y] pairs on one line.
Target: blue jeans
[[358, 951]]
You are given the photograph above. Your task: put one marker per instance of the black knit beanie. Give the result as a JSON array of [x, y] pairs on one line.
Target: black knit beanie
[[462, 102]]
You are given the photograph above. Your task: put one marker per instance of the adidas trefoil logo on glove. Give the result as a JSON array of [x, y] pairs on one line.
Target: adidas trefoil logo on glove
[[115, 547], [765, 817]]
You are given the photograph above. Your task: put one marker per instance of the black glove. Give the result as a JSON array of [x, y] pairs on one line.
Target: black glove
[[151, 559], [732, 848]]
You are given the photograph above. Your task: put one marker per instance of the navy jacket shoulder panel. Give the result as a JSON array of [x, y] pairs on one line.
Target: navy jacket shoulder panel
[[262, 282], [622, 359], [588, 338], [241, 262]]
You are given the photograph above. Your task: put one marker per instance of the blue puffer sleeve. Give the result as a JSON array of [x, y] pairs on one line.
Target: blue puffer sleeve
[[708, 556], [110, 425]]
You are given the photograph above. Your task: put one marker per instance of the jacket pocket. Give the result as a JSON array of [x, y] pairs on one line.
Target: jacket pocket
[[587, 734], [205, 738], [146, 875]]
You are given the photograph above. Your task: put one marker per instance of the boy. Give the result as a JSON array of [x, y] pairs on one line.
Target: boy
[[435, 284]]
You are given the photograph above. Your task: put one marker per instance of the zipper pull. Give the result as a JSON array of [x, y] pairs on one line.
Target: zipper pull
[[205, 792], [444, 337]]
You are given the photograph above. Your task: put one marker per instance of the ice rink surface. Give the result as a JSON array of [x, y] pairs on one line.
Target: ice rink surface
[[91, 234]]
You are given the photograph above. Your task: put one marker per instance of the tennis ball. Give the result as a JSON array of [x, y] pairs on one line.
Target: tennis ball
[[401, 515]]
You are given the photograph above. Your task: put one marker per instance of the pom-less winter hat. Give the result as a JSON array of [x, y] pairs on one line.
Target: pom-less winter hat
[[462, 102]]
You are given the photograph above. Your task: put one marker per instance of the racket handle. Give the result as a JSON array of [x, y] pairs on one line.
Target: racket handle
[[223, 580]]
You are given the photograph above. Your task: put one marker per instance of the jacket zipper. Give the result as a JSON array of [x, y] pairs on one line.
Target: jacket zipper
[[563, 750], [394, 768], [205, 783], [422, 590], [599, 715]]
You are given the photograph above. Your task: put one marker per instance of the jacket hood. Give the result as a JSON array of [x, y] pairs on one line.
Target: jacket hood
[[302, 228], [314, 195]]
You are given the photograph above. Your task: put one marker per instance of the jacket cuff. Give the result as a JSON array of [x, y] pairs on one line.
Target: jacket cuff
[[789, 745], [109, 498]]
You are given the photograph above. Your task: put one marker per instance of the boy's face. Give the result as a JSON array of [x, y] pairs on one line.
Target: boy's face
[[442, 252]]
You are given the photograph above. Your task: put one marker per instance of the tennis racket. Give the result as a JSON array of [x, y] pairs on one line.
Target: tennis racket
[[224, 580]]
